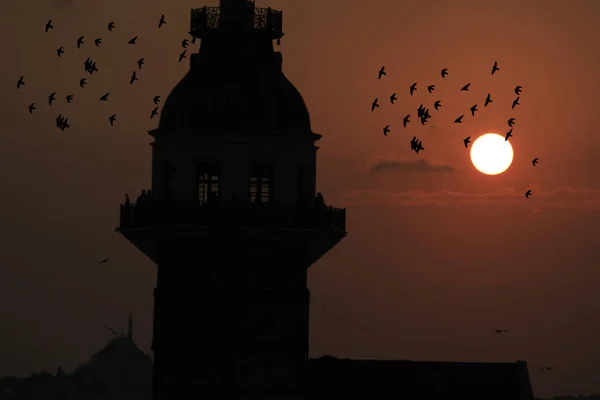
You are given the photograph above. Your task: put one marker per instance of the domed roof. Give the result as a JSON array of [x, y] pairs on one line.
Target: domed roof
[[253, 100]]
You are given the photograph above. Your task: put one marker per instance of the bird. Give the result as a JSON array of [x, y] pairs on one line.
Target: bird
[[546, 369], [511, 122], [444, 72], [413, 143], [516, 102], [69, 98], [111, 25], [154, 112], [82, 82], [466, 87], [518, 90], [374, 104], [112, 330], [386, 129], [473, 109], [488, 100], [20, 82], [184, 43], [49, 25], [194, 40], [140, 62], [430, 88], [80, 42], [104, 261], [156, 99], [133, 78], [392, 98], [182, 55], [59, 120], [382, 72], [467, 141], [419, 146], [420, 111], [31, 108], [132, 40], [112, 119], [406, 120], [437, 104], [59, 51], [535, 161], [508, 135], [98, 41], [413, 87], [495, 67], [500, 330], [64, 124], [459, 120], [162, 21], [51, 98], [528, 193], [104, 97]]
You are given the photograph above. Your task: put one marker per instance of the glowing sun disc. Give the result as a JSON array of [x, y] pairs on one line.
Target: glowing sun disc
[[491, 154]]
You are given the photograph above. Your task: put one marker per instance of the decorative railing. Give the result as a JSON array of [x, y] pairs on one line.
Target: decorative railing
[[207, 20], [151, 213]]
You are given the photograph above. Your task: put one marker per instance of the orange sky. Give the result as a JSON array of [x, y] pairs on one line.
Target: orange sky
[[433, 260]]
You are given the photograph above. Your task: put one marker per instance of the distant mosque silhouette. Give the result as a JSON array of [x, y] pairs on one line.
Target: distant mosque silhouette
[[233, 222]]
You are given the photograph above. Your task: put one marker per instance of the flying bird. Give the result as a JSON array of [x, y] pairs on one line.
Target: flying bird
[[406, 120], [511, 122], [528, 193], [467, 141], [104, 261], [495, 67], [79, 42], [60, 51], [459, 120], [420, 111], [488, 100], [473, 109], [132, 40], [51, 98], [104, 97], [82, 82], [516, 102], [430, 88], [392, 98], [182, 55], [162, 21], [500, 330], [508, 135], [535, 161], [156, 99], [59, 120], [386, 129], [154, 112], [413, 87], [98, 41], [546, 369], [466, 87], [69, 98], [112, 119], [133, 78], [140, 62], [444, 72], [20, 82], [184, 43], [31, 108], [374, 105], [112, 330], [194, 40], [437, 104], [382, 72], [111, 25], [49, 25], [518, 90]]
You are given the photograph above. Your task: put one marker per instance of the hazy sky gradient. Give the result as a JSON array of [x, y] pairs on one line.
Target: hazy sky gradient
[[434, 260]]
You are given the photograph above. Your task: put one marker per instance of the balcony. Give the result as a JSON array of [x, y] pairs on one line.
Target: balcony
[[152, 213], [206, 21]]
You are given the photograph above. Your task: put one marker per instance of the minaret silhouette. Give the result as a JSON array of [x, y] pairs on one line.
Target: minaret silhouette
[[234, 222], [130, 328]]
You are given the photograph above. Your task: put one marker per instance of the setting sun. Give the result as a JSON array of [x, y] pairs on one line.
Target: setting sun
[[491, 154]]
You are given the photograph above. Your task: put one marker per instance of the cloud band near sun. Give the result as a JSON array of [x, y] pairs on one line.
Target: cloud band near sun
[[421, 165]]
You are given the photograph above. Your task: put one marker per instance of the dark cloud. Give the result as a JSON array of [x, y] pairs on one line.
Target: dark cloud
[[409, 166]]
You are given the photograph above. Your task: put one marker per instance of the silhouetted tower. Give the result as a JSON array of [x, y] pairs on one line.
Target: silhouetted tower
[[232, 224], [130, 328]]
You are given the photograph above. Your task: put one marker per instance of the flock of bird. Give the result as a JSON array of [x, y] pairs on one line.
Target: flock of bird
[[90, 67], [423, 114]]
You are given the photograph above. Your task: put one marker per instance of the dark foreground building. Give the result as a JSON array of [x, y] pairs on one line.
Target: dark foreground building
[[233, 222]]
